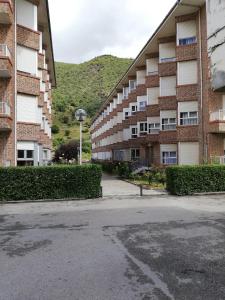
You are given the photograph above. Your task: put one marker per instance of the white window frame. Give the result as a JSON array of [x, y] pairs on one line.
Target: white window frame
[[170, 126], [171, 159], [144, 129], [155, 129], [134, 135], [136, 155], [188, 121], [132, 85]]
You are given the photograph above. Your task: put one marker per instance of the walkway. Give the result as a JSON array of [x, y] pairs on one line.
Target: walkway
[[112, 186]]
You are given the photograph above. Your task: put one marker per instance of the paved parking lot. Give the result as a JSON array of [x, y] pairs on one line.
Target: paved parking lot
[[114, 248]]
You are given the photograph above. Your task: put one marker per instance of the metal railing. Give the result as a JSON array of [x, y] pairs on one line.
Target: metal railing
[[169, 160], [167, 59], [4, 108], [4, 51], [217, 115], [218, 160]]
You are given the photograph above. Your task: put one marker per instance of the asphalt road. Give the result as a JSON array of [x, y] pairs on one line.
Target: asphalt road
[[115, 248]]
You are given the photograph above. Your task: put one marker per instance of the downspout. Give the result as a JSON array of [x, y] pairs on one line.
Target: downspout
[[15, 79], [205, 152]]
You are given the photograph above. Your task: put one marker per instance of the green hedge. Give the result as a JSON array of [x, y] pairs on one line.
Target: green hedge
[[57, 182], [188, 180]]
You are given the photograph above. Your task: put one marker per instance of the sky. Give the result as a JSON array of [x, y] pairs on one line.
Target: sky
[[84, 29]]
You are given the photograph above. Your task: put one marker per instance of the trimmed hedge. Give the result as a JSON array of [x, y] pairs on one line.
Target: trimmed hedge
[[188, 180], [57, 182]]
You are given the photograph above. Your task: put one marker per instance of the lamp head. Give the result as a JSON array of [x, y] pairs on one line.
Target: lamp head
[[80, 115]]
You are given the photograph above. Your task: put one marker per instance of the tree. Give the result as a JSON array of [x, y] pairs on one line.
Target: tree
[[67, 152]]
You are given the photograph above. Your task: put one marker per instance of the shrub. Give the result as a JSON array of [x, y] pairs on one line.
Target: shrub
[[187, 180], [67, 132], [55, 129], [57, 182], [123, 170]]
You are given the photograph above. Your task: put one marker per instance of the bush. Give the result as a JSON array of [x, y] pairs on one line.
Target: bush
[[187, 180], [123, 170], [57, 182], [55, 129]]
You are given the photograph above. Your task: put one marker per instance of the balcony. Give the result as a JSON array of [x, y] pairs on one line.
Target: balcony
[[217, 121], [6, 15], [4, 109], [5, 62], [5, 120]]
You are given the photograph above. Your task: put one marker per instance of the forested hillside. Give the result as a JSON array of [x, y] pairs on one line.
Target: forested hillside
[[86, 86]]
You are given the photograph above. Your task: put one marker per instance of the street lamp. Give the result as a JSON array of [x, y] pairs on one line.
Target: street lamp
[[80, 115]]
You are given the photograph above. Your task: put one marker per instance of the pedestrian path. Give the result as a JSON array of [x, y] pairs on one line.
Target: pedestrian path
[[112, 186]]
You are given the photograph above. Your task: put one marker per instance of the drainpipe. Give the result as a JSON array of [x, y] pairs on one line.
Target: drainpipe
[[205, 154], [15, 79]]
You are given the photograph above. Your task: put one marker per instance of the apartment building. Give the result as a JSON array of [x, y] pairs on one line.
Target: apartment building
[[169, 107], [27, 76]]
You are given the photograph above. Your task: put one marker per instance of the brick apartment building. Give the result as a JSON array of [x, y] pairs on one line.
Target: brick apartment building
[[169, 107], [26, 77]]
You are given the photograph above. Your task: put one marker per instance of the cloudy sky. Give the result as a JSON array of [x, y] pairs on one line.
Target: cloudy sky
[[83, 29]]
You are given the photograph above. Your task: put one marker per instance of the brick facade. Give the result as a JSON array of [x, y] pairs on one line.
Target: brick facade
[[22, 83]]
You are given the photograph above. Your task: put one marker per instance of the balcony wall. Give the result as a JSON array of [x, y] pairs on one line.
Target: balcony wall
[[6, 12], [28, 84]]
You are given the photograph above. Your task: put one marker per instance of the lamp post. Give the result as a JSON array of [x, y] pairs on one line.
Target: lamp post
[[80, 116]]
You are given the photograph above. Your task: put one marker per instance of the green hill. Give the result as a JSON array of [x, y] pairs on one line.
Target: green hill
[[84, 85]]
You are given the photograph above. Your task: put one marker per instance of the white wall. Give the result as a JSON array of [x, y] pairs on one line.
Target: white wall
[[26, 14], [186, 29], [153, 95], [168, 86], [216, 21], [187, 72], [27, 60], [188, 153], [27, 109]]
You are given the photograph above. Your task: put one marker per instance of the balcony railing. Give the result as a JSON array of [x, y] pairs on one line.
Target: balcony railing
[[4, 108], [218, 160], [167, 59], [217, 115], [4, 51]]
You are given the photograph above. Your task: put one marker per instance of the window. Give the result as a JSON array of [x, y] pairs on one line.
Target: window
[[142, 105], [169, 157], [168, 86], [27, 60], [167, 52], [154, 128], [187, 72], [143, 128], [152, 66], [168, 124], [25, 157], [188, 118], [27, 109], [126, 115], [134, 132], [133, 109], [135, 154], [125, 92], [188, 41], [132, 85]]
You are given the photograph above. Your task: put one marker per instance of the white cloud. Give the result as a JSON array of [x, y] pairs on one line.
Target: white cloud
[[83, 29]]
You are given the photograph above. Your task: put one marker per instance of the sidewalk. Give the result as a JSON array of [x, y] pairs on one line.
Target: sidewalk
[[112, 186]]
